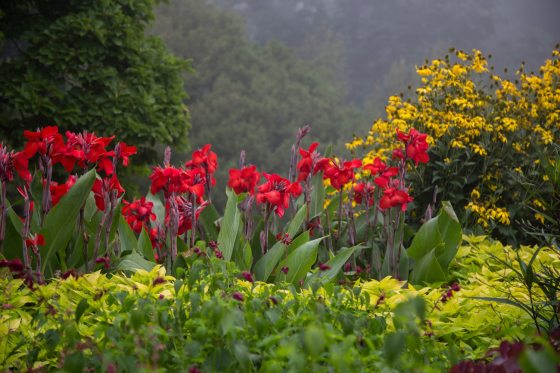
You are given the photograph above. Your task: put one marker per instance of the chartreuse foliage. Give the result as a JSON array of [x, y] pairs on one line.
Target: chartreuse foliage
[[209, 319]]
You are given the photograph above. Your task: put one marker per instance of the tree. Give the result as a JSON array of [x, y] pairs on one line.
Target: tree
[[87, 64], [251, 97]]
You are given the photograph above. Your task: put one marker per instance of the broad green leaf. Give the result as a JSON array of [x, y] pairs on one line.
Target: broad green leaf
[[427, 269], [208, 218], [126, 236], [81, 308], [298, 241], [60, 222], [145, 245], [439, 238], [229, 226], [13, 244], [266, 264], [336, 263], [159, 208], [296, 222], [317, 195], [133, 262], [299, 262]]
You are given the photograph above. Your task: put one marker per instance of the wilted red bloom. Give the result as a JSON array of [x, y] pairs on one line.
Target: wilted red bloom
[[337, 174], [206, 159], [218, 254], [105, 260], [307, 162], [185, 213], [393, 197], [138, 213], [169, 179], [156, 237], [285, 270], [324, 267], [363, 190], [244, 180], [105, 185], [416, 145], [37, 240], [276, 192], [59, 190], [247, 276], [11, 161], [86, 149], [14, 265], [45, 141], [238, 296]]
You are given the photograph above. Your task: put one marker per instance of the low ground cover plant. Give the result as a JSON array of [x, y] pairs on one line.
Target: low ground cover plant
[[210, 317]]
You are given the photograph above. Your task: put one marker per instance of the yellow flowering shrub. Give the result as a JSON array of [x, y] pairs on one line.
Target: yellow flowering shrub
[[488, 137]]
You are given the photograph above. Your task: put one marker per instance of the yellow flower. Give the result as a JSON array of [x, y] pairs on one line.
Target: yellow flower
[[539, 217]]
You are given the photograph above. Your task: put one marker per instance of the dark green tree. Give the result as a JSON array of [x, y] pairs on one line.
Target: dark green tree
[[251, 97], [88, 64]]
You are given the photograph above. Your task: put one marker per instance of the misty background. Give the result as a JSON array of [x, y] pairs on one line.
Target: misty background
[[265, 68]]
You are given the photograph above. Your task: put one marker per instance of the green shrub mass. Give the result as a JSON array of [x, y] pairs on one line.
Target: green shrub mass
[[210, 318]]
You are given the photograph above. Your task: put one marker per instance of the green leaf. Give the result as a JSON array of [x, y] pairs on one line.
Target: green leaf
[[60, 222], [133, 262], [316, 206], [427, 269], [229, 226], [299, 262], [439, 239], [296, 222], [159, 208], [126, 236], [82, 307], [208, 218], [266, 264], [336, 263], [145, 245]]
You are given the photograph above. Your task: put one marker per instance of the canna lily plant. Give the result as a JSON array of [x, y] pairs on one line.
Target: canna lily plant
[[278, 229]]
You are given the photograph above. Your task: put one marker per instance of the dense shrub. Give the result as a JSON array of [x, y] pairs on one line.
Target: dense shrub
[[493, 141]]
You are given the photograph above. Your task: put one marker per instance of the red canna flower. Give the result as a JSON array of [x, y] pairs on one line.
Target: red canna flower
[[138, 214], [37, 240], [59, 190], [393, 197], [169, 179], [244, 180], [102, 187], [363, 190], [206, 159], [87, 149], [338, 175], [307, 162], [276, 192], [11, 161], [378, 167], [186, 213], [126, 151], [194, 182], [45, 141], [416, 145]]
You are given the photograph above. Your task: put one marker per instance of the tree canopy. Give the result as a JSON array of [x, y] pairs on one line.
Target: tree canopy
[[88, 64]]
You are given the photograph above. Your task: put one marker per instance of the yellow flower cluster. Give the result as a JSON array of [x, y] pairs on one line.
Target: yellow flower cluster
[[473, 114]]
